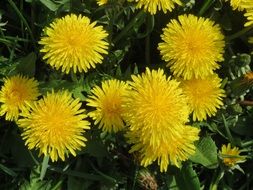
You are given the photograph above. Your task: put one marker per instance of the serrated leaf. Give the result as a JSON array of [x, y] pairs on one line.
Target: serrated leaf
[[35, 183], [206, 153], [56, 85], [77, 92], [187, 178]]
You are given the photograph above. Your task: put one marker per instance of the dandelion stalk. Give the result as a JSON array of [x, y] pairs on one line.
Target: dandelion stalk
[[227, 130], [216, 179], [129, 26], [44, 167], [205, 7], [239, 34]]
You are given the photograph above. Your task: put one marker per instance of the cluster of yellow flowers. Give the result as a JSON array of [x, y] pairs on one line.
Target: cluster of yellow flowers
[[155, 108], [192, 46], [54, 124]]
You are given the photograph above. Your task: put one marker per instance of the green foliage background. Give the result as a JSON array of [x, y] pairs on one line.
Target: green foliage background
[[133, 34]]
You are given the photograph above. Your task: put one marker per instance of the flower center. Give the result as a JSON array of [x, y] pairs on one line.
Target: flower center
[[15, 97], [112, 108]]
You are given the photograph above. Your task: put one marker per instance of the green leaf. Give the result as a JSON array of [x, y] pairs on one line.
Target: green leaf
[[77, 92], [50, 4], [171, 183], [35, 183], [96, 148], [26, 65], [187, 178], [56, 85], [206, 153], [19, 151], [7, 170]]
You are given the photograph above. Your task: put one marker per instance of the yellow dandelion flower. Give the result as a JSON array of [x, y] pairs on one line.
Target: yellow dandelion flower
[[231, 156], [174, 145], [14, 93], [108, 101], [153, 5], [204, 96], [156, 110], [73, 42], [54, 125], [241, 4], [102, 2], [192, 46], [249, 15]]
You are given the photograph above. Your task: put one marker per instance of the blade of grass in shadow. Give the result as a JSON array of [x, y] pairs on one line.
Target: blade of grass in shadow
[[76, 174], [22, 18], [8, 171]]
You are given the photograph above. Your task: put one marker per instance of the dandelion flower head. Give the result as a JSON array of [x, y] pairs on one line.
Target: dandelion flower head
[[241, 4], [55, 125], [204, 96], [231, 156], [16, 91], [249, 15], [73, 42], [156, 111], [192, 46], [173, 147], [107, 101], [152, 6]]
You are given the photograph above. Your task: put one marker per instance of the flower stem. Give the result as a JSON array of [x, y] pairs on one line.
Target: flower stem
[[216, 179], [205, 7], [246, 103], [129, 26], [227, 130], [238, 34], [44, 167]]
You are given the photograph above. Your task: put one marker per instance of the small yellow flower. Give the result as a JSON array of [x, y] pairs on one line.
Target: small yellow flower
[[153, 5], [204, 96], [231, 156], [192, 46], [55, 125], [15, 92], [108, 101], [73, 42], [156, 111]]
